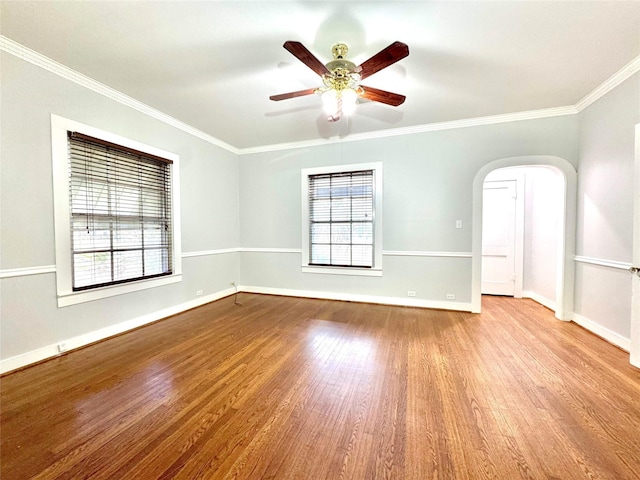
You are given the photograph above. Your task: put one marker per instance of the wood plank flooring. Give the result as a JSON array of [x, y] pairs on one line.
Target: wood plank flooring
[[288, 388]]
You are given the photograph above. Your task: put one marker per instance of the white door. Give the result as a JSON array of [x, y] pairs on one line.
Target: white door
[[498, 237]]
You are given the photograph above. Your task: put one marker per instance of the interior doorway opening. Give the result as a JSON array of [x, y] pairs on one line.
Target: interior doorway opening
[[565, 242], [522, 225]]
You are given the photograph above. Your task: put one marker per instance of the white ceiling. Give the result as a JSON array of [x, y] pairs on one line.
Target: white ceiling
[[213, 64]]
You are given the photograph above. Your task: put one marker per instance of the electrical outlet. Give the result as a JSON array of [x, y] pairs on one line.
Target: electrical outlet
[[458, 223], [199, 292], [62, 347], [411, 293], [451, 296]]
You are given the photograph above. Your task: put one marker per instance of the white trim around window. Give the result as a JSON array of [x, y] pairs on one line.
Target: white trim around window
[[376, 269], [60, 159]]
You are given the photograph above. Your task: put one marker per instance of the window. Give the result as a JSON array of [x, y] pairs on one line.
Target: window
[[115, 214], [342, 222], [341, 219], [120, 201]]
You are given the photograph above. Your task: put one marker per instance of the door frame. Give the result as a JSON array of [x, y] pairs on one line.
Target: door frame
[[565, 280], [634, 347], [517, 175]]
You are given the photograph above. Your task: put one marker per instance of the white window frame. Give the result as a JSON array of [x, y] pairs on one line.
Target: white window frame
[[376, 269], [62, 214]]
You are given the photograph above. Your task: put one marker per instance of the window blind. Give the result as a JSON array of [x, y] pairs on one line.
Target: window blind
[[120, 203], [341, 218]]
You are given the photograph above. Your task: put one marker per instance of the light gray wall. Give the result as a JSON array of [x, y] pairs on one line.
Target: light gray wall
[[544, 192], [428, 181], [30, 318], [605, 206], [253, 201]]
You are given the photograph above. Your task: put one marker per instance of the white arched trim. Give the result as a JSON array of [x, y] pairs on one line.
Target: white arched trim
[[565, 280]]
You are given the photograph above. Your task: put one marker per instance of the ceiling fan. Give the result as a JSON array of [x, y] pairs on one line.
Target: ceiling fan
[[341, 78]]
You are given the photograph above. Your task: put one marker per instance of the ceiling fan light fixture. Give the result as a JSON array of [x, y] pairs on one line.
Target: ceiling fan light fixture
[[337, 102], [349, 99], [330, 101]]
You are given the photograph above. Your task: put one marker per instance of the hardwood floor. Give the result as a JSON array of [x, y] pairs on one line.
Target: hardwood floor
[[286, 388]]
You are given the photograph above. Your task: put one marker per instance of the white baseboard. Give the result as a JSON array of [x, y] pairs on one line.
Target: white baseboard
[[49, 351], [28, 358], [610, 336], [352, 297], [584, 322], [550, 304]]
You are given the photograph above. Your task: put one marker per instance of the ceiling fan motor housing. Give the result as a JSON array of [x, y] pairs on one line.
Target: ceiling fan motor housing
[[343, 73]]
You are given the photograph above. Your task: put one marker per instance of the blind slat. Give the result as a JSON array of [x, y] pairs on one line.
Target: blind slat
[[341, 217], [81, 137], [120, 200]]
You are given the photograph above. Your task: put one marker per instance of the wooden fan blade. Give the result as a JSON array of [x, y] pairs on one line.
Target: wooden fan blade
[[299, 93], [388, 56], [305, 56], [382, 96]]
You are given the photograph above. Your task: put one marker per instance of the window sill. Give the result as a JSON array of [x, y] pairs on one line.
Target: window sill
[[74, 298], [362, 272]]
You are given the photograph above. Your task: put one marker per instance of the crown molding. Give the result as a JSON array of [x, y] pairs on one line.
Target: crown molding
[[67, 73], [430, 127], [39, 60], [612, 82]]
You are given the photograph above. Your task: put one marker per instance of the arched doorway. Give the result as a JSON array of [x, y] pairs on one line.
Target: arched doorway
[[520, 222], [564, 279]]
